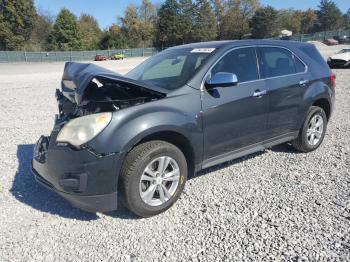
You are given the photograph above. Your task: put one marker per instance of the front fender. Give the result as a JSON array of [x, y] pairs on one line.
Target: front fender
[[180, 114]]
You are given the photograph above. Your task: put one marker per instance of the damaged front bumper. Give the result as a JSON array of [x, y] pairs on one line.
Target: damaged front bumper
[[87, 180]]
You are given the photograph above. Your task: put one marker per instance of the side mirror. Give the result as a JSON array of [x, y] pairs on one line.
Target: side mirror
[[222, 79]]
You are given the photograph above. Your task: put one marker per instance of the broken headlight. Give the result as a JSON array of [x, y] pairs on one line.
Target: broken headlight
[[83, 129]]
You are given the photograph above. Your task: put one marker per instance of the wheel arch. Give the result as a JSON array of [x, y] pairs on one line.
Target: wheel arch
[[325, 105], [177, 139]]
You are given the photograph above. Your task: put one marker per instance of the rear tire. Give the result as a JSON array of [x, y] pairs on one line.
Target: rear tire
[[153, 177], [312, 131]]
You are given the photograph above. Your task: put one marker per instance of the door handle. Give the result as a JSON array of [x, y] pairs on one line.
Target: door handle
[[303, 82], [259, 93]]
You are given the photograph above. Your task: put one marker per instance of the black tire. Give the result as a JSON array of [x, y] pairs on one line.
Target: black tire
[[133, 167], [301, 143]]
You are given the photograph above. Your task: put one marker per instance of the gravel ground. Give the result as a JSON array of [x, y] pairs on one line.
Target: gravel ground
[[273, 205]]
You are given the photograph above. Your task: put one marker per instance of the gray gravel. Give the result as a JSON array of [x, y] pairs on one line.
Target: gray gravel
[[273, 205]]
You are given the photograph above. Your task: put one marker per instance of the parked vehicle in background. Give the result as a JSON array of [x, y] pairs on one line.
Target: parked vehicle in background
[[118, 56], [331, 42], [101, 58], [138, 137], [342, 39], [340, 59]]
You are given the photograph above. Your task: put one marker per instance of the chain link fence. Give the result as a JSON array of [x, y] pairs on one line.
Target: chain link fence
[[22, 56], [319, 36]]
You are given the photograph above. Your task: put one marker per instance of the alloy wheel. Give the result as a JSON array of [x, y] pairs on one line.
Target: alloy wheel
[[159, 181], [315, 130]]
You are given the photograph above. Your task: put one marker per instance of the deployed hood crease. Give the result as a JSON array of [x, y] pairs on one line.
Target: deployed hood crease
[[81, 76], [88, 89]]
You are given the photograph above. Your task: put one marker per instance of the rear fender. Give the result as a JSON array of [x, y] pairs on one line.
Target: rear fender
[[316, 91]]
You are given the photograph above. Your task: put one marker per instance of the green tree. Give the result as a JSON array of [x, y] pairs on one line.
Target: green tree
[[290, 19], [65, 34], [147, 17], [185, 24], [264, 23], [308, 21], [90, 32], [147, 11], [235, 23], [219, 11], [204, 28], [17, 19], [113, 38], [329, 16], [346, 20], [131, 26], [168, 33], [41, 31]]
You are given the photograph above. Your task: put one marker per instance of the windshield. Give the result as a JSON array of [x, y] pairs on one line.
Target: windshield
[[171, 69], [344, 51]]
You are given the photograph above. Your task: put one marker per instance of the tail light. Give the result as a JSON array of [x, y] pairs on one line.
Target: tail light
[[333, 80]]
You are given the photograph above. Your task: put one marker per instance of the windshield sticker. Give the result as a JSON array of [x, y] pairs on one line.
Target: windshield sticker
[[202, 50]]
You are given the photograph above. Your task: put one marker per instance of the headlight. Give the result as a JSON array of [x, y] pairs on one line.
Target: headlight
[[83, 129]]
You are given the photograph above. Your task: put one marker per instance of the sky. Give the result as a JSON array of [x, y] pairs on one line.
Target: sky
[[107, 11]]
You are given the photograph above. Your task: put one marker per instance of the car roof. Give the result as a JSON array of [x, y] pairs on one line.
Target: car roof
[[233, 43]]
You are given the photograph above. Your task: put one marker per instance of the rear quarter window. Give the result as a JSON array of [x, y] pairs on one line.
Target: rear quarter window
[[313, 53], [299, 66]]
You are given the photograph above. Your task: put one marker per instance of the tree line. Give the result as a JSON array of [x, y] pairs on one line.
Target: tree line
[[23, 27]]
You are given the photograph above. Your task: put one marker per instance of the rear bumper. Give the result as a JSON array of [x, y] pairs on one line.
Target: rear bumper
[[84, 179]]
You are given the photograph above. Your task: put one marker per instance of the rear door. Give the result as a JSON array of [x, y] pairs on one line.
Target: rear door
[[235, 117], [286, 78]]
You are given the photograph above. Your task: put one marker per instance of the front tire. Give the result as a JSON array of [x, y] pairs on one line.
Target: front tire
[[153, 177], [312, 132]]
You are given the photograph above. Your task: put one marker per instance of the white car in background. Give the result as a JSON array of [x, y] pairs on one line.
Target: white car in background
[[340, 59]]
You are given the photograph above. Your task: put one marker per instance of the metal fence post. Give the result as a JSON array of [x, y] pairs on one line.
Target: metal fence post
[[25, 56], [7, 55], [70, 55]]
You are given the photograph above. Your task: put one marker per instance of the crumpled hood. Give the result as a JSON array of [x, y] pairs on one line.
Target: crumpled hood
[[344, 56], [77, 77]]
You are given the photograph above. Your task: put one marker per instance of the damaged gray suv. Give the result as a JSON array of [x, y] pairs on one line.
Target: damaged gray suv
[[138, 137]]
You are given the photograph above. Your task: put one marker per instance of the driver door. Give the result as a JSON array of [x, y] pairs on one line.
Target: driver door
[[235, 117]]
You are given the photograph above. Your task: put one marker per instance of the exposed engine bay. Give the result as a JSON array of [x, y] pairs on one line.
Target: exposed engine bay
[[89, 89]]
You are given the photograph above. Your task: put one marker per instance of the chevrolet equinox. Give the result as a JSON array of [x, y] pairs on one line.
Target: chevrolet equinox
[[138, 137]]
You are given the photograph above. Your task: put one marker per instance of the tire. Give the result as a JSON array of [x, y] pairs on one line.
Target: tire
[[304, 141], [137, 192]]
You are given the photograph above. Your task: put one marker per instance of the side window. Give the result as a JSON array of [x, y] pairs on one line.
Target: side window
[[276, 62], [241, 62], [299, 66]]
